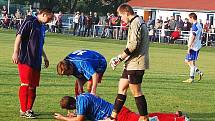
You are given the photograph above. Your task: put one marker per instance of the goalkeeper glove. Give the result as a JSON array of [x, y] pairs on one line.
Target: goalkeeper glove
[[115, 61]]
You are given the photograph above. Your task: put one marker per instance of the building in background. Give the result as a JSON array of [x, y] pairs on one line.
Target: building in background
[[205, 9]]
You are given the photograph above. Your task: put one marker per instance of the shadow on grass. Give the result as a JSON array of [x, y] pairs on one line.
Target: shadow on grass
[[45, 115]]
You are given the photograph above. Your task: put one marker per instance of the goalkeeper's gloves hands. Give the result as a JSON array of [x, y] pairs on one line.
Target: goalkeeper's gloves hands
[[115, 61]]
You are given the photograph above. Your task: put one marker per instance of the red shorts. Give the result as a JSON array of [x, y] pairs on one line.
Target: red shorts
[[29, 75], [127, 115]]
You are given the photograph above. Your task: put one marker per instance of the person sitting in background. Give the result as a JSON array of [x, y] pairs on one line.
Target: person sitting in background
[[175, 35]]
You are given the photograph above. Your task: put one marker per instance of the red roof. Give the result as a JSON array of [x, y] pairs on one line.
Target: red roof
[[188, 5]]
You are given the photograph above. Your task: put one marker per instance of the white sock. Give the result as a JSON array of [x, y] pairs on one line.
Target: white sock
[[192, 71]]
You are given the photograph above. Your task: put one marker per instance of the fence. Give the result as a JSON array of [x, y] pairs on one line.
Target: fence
[[208, 39]]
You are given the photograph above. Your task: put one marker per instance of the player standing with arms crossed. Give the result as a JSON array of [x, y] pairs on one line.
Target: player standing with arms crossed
[[136, 58], [28, 52]]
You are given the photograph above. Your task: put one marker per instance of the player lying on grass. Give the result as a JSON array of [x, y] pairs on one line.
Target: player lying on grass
[[91, 107], [85, 65]]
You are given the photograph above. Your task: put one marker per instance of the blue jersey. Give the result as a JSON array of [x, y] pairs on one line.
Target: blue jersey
[[32, 35], [197, 32], [86, 63], [93, 107]]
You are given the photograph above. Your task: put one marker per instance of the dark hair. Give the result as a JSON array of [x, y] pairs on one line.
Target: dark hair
[[193, 15], [125, 8], [68, 103]]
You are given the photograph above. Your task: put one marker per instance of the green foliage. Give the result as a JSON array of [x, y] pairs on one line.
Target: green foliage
[[162, 83], [69, 6]]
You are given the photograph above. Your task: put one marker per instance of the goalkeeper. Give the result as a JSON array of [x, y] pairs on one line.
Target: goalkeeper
[[136, 59]]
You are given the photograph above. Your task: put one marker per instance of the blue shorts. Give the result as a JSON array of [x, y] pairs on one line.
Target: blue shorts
[[102, 66], [193, 56]]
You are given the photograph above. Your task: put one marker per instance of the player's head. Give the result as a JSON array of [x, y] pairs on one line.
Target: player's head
[[64, 67], [192, 17], [68, 103], [45, 15], [125, 11]]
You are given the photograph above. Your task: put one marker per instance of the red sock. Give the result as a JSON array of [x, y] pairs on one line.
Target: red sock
[[23, 97], [31, 97]]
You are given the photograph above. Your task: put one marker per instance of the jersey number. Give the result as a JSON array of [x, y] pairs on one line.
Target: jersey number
[[79, 52]]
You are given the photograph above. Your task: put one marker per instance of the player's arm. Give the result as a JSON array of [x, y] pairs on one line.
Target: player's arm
[[80, 86], [65, 118], [16, 49], [134, 39], [46, 61], [192, 39], [132, 45], [95, 78], [24, 30]]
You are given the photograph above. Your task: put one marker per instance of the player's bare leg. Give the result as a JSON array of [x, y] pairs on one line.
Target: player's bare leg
[[140, 101]]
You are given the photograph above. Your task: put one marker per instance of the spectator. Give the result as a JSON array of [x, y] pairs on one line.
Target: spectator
[[115, 21], [207, 26], [88, 24], [187, 25], [124, 30], [158, 24], [106, 30], [200, 21], [12, 23], [18, 14], [59, 22], [160, 18], [166, 23], [175, 35], [81, 24], [172, 23], [4, 11], [96, 22], [5, 21], [150, 22], [76, 22], [151, 33], [179, 23]]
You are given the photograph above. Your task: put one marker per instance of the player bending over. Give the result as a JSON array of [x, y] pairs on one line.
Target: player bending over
[[85, 65]]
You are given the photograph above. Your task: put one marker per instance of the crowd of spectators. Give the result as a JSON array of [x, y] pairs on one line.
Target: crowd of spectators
[[109, 26], [170, 29]]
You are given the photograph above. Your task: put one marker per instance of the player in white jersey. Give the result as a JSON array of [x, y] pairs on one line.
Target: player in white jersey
[[194, 45]]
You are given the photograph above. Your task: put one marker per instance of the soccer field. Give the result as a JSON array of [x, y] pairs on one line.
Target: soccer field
[[162, 83]]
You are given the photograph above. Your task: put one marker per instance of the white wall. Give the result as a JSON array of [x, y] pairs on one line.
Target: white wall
[[140, 12], [183, 14]]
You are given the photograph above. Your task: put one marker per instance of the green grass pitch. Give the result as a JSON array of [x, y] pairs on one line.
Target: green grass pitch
[[162, 83]]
